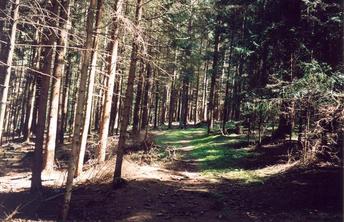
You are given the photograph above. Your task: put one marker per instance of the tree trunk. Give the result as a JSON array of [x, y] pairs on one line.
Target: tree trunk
[[227, 92], [156, 104], [29, 109], [112, 65], [117, 180], [8, 65], [184, 102], [3, 36], [210, 111], [173, 92], [30, 105], [116, 104], [49, 154], [43, 82], [79, 116], [64, 103], [163, 106], [136, 118], [196, 97], [237, 92], [204, 95], [146, 97], [88, 112], [187, 75]]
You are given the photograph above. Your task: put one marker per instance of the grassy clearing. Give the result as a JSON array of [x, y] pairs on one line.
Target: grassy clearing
[[216, 155]]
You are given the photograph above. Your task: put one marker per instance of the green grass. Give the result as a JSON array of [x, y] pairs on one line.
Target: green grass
[[216, 155]]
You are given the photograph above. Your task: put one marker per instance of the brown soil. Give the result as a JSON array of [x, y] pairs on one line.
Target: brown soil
[[175, 191]]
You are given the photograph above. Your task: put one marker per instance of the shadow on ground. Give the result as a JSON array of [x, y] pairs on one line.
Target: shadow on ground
[[298, 195]]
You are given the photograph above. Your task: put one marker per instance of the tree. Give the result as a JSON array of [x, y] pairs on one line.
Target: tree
[[210, 110], [9, 57], [43, 83], [112, 63], [136, 114], [88, 110], [87, 54], [117, 181], [56, 85]]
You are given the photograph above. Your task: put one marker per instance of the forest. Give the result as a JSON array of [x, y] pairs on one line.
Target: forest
[[171, 110]]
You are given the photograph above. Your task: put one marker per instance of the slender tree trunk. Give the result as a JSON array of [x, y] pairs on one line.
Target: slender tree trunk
[[136, 119], [163, 106], [227, 92], [156, 103], [3, 36], [32, 91], [86, 123], [210, 111], [23, 106], [146, 97], [128, 100], [120, 101], [49, 154], [237, 92], [79, 117], [196, 97], [115, 104], [29, 109], [173, 91], [184, 102], [64, 103], [4, 39], [187, 73], [8, 65], [204, 96], [104, 128]]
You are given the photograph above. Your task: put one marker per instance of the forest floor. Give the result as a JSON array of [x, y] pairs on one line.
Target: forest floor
[[191, 176]]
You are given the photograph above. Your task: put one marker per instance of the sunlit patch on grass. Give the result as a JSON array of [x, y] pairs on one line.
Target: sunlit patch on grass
[[249, 176], [240, 175], [217, 156]]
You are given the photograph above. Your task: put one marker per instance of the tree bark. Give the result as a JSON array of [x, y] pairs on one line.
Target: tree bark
[[136, 118], [49, 154], [210, 111], [79, 117], [173, 92], [112, 65], [43, 82], [29, 109], [117, 180], [62, 125], [156, 103], [3, 36], [163, 106], [89, 100], [184, 102], [146, 97], [227, 91], [116, 104], [204, 95], [196, 97], [187, 75], [8, 64]]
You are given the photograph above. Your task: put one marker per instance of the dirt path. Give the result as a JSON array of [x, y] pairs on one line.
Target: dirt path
[[178, 191]]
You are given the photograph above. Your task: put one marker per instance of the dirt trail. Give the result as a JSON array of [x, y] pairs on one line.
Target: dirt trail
[[176, 191]]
